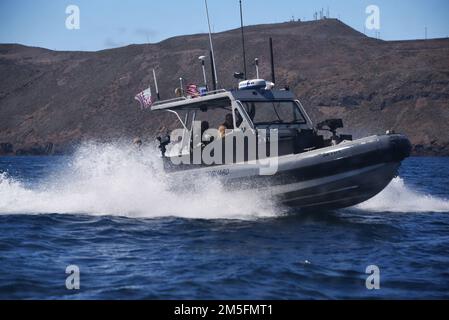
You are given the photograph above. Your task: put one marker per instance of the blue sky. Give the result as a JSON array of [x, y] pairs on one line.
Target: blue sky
[[112, 23]]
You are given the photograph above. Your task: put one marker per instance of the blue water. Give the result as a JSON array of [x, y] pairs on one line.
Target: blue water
[[133, 240]]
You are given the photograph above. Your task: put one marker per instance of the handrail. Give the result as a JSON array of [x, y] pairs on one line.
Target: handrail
[[169, 100], [179, 118]]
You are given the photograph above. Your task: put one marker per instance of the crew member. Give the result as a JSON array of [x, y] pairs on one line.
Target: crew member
[[227, 125]]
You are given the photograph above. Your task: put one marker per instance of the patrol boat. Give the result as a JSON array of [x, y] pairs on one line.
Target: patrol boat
[[313, 166]]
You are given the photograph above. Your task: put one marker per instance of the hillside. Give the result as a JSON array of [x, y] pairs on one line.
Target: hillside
[[51, 100]]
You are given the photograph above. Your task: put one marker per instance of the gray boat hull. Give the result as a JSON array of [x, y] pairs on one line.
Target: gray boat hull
[[327, 178], [337, 191]]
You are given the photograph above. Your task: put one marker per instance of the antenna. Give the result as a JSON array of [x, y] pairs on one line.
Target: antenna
[[212, 63], [256, 63], [425, 32], [273, 78], [201, 58], [243, 39], [182, 86], [214, 79]]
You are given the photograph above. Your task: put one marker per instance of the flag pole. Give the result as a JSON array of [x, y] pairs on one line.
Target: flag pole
[[215, 79], [155, 84], [151, 96]]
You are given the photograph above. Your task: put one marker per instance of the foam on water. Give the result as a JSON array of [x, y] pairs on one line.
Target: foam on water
[[118, 180], [397, 197], [114, 179]]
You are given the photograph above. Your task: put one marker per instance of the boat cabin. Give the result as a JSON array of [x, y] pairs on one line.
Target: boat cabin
[[249, 110]]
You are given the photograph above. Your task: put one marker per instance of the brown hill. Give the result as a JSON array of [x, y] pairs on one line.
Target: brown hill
[[60, 98]]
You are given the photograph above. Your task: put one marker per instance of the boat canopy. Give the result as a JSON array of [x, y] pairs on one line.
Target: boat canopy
[[210, 100], [222, 98]]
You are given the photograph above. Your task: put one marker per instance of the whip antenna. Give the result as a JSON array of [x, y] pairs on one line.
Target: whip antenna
[[243, 40], [215, 79]]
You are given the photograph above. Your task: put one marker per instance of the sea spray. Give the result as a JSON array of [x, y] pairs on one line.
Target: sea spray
[[397, 197], [118, 179], [115, 179]]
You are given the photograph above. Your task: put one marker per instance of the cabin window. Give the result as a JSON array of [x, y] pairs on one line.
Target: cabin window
[[215, 116], [269, 112]]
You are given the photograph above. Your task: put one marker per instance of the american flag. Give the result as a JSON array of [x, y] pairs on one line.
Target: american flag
[[145, 99], [192, 90]]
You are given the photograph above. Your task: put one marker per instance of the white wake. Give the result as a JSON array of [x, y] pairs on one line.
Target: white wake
[[397, 197], [102, 179], [120, 180]]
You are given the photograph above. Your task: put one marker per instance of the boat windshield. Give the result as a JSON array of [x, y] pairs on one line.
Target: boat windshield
[[268, 112]]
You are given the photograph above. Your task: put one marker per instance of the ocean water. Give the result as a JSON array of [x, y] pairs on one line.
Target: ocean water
[[109, 210]]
